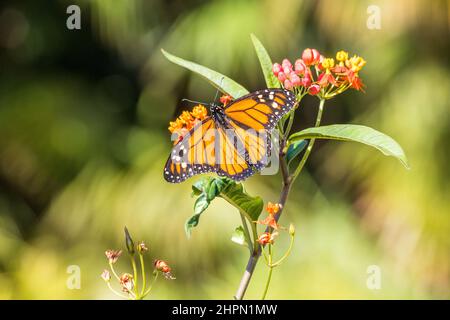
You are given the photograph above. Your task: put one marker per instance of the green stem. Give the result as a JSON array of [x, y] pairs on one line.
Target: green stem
[[144, 284], [135, 289], [255, 239], [286, 187], [246, 233], [249, 219], [115, 292], [288, 252], [289, 125], [269, 277], [114, 271], [265, 256], [311, 143], [151, 285]]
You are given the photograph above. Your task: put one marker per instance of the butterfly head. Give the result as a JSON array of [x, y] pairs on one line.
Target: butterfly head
[[217, 113]]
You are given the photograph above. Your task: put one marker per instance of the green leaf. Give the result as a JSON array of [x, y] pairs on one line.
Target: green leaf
[[266, 63], [356, 133], [250, 206], [218, 80], [198, 186], [215, 187], [208, 188], [201, 204], [191, 223], [294, 149], [238, 236]]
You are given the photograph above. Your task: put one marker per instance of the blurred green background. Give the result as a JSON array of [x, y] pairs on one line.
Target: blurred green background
[[83, 140]]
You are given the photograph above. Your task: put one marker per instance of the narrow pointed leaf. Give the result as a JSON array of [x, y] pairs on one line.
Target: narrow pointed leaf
[[266, 63], [356, 133], [218, 80]]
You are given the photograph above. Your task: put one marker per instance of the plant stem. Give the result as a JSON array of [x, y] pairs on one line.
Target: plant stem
[[290, 122], [288, 252], [114, 271], [115, 292], [269, 277], [135, 289], [286, 188], [311, 143], [144, 284], [253, 260], [246, 233], [151, 285]]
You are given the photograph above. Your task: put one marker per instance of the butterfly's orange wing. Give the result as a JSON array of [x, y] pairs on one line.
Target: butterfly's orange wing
[[237, 151], [253, 116], [260, 110], [206, 148]]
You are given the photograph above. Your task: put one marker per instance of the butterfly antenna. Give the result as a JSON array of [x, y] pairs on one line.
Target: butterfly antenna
[[217, 92], [193, 101]]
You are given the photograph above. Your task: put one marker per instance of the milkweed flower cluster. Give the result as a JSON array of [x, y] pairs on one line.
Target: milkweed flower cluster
[[187, 120], [128, 282], [272, 209], [270, 221], [316, 74], [266, 240]]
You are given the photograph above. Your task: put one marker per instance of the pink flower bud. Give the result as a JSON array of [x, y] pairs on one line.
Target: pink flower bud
[[287, 70], [314, 89], [288, 84], [310, 56], [306, 81], [286, 64], [281, 76], [276, 68], [300, 67], [295, 79]]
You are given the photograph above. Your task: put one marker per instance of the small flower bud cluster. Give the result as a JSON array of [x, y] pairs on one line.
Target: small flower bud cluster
[[187, 120], [127, 282], [315, 74]]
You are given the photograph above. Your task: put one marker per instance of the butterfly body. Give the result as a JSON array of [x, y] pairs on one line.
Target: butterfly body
[[234, 141], [218, 115]]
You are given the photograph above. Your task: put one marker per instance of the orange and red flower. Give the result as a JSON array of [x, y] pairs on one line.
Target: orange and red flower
[[186, 121], [311, 56], [272, 209], [267, 238]]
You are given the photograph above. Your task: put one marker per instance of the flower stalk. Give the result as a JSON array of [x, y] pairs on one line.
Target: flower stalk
[[287, 181], [130, 283]]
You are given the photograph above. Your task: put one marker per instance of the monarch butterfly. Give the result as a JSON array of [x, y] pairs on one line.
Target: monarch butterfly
[[234, 141]]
